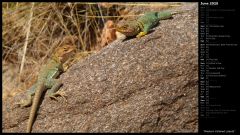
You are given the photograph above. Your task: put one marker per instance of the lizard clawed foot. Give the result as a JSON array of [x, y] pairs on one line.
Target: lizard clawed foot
[[23, 103], [56, 94], [141, 34], [26, 103]]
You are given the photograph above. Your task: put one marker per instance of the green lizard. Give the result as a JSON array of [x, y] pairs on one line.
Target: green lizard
[[143, 24], [47, 80]]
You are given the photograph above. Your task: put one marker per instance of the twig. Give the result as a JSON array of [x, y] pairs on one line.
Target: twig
[[26, 40], [92, 16], [100, 10], [134, 4]]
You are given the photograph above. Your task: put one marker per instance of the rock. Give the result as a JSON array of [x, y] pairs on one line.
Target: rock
[[139, 85]]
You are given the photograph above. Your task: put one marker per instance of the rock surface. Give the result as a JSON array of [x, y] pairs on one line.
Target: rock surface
[[139, 85]]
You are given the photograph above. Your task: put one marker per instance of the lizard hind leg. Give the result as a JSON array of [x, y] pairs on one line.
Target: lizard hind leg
[[53, 92], [58, 93], [30, 95], [26, 103]]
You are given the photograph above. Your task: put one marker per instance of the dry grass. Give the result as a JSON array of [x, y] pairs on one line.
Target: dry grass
[[50, 23]]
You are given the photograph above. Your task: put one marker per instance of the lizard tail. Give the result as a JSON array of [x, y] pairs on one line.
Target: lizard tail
[[179, 12], [36, 100], [164, 15], [183, 11]]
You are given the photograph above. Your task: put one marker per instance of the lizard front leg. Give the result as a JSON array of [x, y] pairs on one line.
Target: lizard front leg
[[146, 29], [144, 32], [141, 34]]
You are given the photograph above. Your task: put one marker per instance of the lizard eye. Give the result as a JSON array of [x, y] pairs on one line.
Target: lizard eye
[[125, 26]]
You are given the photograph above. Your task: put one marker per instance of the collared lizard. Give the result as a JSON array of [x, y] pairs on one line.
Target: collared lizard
[[141, 26], [47, 79]]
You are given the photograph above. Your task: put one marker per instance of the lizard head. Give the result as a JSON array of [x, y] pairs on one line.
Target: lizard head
[[128, 29], [65, 52]]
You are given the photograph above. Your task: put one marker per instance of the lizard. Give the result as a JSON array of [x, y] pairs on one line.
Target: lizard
[[47, 79], [141, 26]]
